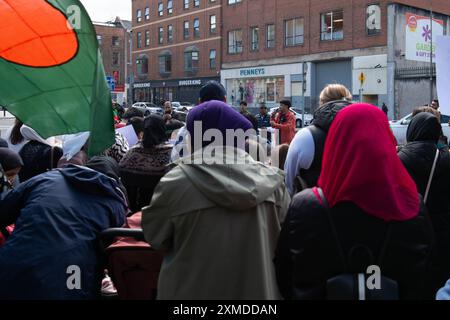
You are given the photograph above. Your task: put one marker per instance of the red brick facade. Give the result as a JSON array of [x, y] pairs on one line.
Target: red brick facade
[[204, 42], [114, 52], [247, 14]]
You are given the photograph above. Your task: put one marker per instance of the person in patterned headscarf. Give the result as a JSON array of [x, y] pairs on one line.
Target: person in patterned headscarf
[[144, 165]]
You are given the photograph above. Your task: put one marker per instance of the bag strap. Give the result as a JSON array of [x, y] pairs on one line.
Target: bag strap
[[51, 157], [333, 229], [338, 242], [430, 179]]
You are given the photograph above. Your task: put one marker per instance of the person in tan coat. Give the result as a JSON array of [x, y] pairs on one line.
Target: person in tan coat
[[219, 223]]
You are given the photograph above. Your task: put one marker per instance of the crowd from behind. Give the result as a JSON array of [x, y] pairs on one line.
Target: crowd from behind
[[328, 201]]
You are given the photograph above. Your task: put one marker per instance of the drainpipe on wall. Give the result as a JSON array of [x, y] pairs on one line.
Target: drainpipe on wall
[[393, 108]]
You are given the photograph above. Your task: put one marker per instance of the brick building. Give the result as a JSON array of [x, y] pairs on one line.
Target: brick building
[[176, 48], [275, 49], [114, 43]]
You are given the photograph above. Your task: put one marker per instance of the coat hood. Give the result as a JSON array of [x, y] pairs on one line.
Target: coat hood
[[325, 114], [93, 182], [229, 184]]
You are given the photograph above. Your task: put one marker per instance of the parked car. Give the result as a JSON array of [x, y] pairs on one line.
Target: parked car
[[148, 108], [298, 117], [399, 127]]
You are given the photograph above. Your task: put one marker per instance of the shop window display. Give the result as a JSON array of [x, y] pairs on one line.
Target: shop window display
[[255, 91]]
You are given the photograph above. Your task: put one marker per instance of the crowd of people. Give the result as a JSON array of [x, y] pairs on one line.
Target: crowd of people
[[278, 214]]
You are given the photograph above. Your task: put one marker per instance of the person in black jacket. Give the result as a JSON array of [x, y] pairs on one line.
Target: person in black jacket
[[418, 156], [304, 158], [365, 192]]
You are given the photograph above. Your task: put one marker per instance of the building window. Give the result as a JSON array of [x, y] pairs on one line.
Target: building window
[[196, 28], [139, 15], [294, 31], [212, 59], [254, 38], [270, 36], [332, 26], [191, 58], [186, 4], [160, 35], [169, 6], [147, 38], [160, 9], [234, 1], [147, 13], [99, 40], [373, 19], [212, 24], [170, 33], [142, 65], [235, 41], [115, 58], [196, 3], [186, 30], [139, 40], [115, 41], [165, 63]]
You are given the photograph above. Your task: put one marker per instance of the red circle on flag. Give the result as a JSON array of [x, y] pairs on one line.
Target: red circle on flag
[[36, 35]]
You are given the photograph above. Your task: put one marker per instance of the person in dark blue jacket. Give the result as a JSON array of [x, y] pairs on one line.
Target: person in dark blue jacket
[[53, 251]]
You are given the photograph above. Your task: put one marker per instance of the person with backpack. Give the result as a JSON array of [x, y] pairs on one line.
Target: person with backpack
[[364, 214], [429, 166], [304, 159]]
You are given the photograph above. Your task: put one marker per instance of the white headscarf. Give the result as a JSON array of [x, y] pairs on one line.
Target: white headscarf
[[31, 135]]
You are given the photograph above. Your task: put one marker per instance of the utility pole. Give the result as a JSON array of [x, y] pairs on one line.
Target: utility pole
[[304, 66], [431, 51]]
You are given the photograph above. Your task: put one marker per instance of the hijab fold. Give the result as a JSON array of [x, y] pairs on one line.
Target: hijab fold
[[360, 165]]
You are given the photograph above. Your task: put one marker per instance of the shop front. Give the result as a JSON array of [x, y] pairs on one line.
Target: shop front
[[181, 90], [266, 84], [142, 92]]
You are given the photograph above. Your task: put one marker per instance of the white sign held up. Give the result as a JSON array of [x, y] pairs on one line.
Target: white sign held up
[[443, 73]]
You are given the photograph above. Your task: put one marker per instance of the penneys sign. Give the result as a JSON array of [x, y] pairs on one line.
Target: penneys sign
[[253, 72]]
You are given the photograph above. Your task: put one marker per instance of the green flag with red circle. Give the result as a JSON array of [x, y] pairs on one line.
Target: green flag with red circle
[[51, 72]]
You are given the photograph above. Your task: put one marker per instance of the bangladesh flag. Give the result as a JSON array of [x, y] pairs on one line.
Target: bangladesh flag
[[51, 71]]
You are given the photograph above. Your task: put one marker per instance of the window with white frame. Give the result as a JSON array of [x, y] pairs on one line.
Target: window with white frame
[[212, 24], [160, 35], [270, 36], [170, 33], [235, 41], [332, 26], [186, 30], [212, 59], [293, 32], [191, 60], [139, 15], [254, 38], [196, 28]]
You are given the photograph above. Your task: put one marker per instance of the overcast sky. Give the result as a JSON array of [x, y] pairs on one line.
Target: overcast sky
[[106, 10]]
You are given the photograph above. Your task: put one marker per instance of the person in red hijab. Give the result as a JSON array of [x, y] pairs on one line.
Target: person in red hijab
[[365, 211]]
